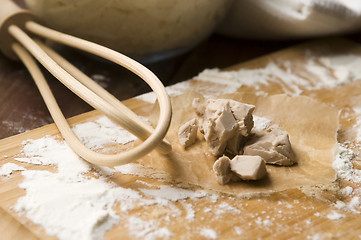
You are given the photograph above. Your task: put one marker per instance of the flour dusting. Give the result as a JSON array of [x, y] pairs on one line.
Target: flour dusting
[[319, 72], [208, 233], [173, 194], [67, 203], [324, 72], [100, 132], [343, 165], [147, 230], [77, 200], [346, 191], [77, 208], [8, 168], [190, 213], [335, 215]]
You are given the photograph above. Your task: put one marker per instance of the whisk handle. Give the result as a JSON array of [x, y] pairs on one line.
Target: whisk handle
[[11, 14]]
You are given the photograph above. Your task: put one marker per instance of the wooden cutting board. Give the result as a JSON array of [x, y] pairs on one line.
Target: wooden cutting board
[[282, 215]]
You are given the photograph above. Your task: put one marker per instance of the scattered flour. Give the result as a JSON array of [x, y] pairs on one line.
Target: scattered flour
[[139, 170], [343, 165], [173, 194], [144, 183], [346, 191], [67, 203], [341, 205], [324, 72], [207, 210], [173, 90], [147, 230], [255, 77], [238, 230], [354, 203], [189, 211], [224, 207], [344, 67], [76, 208], [335, 215], [317, 236], [76, 203], [49, 151], [208, 233], [327, 72], [102, 131], [8, 168], [265, 222]]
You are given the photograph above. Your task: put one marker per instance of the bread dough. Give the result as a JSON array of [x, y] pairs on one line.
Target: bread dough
[[224, 122], [273, 145], [248, 167], [187, 133], [222, 170]]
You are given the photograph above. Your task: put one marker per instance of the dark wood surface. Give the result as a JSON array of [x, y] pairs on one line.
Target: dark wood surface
[[22, 108]]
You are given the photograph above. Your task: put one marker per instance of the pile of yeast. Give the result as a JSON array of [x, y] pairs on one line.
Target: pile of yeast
[[227, 127], [313, 141]]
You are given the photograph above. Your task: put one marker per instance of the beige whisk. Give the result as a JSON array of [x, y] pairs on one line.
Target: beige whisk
[[17, 23]]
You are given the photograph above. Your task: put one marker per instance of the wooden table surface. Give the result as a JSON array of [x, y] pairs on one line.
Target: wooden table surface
[[289, 214], [22, 107]]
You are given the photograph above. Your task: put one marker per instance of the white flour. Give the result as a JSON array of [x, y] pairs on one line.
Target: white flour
[[147, 230], [335, 215], [208, 233], [255, 77], [76, 208], [174, 90], [173, 194], [224, 207], [190, 211], [95, 134], [72, 205], [345, 68], [324, 72], [343, 165], [264, 222], [238, 230], [8, 168], [66, 203], [346, 191]]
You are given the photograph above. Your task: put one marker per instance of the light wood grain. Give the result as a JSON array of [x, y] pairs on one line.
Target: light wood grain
[[291, 213], [12, 229]]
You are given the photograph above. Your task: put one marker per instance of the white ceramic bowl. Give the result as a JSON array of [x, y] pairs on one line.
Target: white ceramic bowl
[[143, 29]]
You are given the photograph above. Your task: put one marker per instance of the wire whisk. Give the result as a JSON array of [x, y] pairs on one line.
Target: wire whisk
[[18, 31]]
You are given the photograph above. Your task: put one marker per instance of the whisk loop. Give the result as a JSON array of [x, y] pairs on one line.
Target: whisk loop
[[16, 23]]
